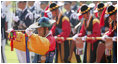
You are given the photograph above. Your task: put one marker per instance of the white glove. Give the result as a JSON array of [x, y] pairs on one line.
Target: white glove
[[9, 30], [73, 30], [36, 16], [49, 14], [24, 25], [114, 38], [84, 38], [30, 16], [3, 15], [29, 31], [55, 37], [104, 37], [74, 37], [16, 18], [74, 16]]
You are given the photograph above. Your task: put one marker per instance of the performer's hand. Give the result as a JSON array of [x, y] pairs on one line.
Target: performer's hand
[[104, 37], [55, 37], [114, 38], [15, 18], [29, 31], [36, 16], [75, 37], [10, 30], [3, 15], [74, 16], [73, 30], [84, 38], [59, 39]]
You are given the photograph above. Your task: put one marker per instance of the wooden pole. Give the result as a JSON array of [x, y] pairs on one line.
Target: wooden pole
[[88, 38]]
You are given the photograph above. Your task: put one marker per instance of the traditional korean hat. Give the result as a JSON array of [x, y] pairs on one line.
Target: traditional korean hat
[[42, 22], [84, 9], [100, 7], [111, 10], [53, 6]]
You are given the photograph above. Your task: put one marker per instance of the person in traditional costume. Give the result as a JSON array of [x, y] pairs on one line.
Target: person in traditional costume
[[42, 43], [61, 28], [90, 28], [112, 11]]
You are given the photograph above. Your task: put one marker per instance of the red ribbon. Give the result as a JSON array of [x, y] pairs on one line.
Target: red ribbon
[[12, 38], [26, 35], [11, 44], [92, 42]]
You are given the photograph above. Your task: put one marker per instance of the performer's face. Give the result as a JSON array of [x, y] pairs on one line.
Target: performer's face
[[113, 17], [55, 13], [21, 5], [42, 32], [86, 16], [67, 6], [43, 6], [30, 3]]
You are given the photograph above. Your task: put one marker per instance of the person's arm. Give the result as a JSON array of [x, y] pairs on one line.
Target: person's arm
[[38, 44], [66, 28], [110, 32], [53, 28], [82, 31]]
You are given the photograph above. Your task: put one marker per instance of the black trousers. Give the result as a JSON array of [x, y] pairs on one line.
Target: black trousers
[[77, 56], [92, 52], [66, 51]]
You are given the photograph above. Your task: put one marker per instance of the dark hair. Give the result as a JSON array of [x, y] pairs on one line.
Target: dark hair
[[22, 1], [44, 2], [66, 2]]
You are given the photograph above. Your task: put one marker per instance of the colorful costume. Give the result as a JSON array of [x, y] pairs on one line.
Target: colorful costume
[[37, 44], [90, 30], [62, 29]]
